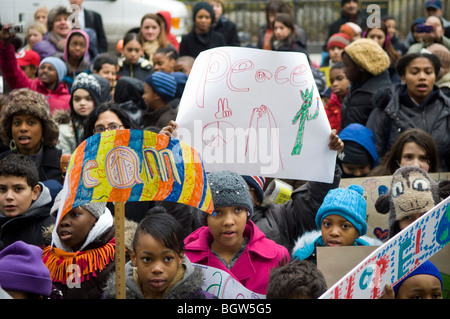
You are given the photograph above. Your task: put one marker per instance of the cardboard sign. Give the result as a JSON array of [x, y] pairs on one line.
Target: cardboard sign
[[222, 285], [395, 259], [134, 165], [374, 186], [256, 112]]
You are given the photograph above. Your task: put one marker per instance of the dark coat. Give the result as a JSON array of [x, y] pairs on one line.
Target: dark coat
[[228, 30], [193, 43], [155, 120], [393, 115], [28, 227], [139, 71], [357, 105], [94, 21]]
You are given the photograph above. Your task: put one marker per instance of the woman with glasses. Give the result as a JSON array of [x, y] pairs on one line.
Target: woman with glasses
[[107, 117]]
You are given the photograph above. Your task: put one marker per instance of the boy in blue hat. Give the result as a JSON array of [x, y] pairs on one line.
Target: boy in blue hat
[[425, 282], [342, 222], [159, 89]]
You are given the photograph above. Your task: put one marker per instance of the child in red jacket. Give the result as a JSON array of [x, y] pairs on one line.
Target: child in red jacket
[[50, 74]]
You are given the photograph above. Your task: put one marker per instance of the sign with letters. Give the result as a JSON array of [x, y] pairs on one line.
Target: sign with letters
[[395, 259], [256, 112]]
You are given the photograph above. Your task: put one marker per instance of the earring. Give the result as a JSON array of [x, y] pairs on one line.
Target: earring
[[12, 145]]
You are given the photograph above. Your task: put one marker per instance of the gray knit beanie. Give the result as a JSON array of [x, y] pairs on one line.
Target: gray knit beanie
[[96, 209], [229, 189]]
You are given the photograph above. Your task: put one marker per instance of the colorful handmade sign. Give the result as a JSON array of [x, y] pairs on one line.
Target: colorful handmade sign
[[256, 112], [398, 257], [135, 165], [222, 285]]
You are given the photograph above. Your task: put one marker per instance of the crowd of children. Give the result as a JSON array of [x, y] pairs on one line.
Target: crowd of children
[[388, 113]]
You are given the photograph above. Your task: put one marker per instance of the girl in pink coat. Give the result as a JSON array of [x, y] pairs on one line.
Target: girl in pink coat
[[231, 241]]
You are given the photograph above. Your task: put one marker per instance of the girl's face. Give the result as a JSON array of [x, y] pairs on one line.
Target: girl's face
[[378, 36], [150, 30], [419, 79], [339, 82], [414, 155], [281, 31], [60, 25], [156, 265], [203, 21], [161, 62], [218, 10], [109, 72], [227, 228], [27, 132], [338, 231], [77, 47], [83, 103], [132, 51], [421, 286], [34, 36], [335, 54], [75, 227]]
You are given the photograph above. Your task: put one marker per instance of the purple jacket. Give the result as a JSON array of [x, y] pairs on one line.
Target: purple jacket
[[252, 269]]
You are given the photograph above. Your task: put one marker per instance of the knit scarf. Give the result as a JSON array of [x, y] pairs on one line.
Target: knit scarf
[[89, 262]]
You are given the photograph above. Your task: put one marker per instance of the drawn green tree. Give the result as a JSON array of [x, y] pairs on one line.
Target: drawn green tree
[[302, 116]]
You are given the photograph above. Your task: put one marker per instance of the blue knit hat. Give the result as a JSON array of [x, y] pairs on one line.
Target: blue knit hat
[[427, 268], [163, 84], [348, 203], [58, 64]]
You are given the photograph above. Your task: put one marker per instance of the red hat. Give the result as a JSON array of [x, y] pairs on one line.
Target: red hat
[[339, 40], [27, 57]]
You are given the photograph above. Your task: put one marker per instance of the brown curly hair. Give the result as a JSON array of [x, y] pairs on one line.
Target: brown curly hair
[[26, 101]]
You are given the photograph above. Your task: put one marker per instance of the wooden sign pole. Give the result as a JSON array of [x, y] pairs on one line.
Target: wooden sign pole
[[119, 224]]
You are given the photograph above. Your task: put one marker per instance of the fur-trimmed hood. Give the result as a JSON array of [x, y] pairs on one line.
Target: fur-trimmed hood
[[305, 245]]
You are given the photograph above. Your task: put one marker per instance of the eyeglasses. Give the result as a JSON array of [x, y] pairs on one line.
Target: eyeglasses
[[111, 127]]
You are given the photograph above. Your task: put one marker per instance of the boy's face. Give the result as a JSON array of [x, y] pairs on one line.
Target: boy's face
[[75, 227], [338, 231], [108, 72], [16, 195], [227, 228], [156, 265], [150, 97], [420, 287], [339, 82], [162, 63], [335, 54]]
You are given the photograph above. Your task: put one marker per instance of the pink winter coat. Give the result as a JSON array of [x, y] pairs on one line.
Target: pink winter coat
[[252, 269], [58, 99]]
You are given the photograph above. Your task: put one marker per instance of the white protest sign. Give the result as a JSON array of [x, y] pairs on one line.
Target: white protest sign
[[256, 112], [222, 285], [395, 259]]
